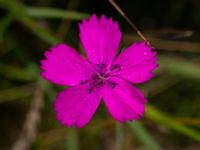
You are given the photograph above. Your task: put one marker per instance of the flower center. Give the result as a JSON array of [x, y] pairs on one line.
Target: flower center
[[101, 76]]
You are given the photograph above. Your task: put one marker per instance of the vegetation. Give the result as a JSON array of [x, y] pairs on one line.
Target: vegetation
[[172, 116]]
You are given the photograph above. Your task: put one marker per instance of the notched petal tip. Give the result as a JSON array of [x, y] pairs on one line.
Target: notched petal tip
[[103, 16], [93, 16], [103, 19], [83, 23], [100, 38]]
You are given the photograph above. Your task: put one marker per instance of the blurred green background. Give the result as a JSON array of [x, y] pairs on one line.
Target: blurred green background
[[172, 117]]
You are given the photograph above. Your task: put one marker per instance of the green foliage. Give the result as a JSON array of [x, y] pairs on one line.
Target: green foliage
[[18, 82]]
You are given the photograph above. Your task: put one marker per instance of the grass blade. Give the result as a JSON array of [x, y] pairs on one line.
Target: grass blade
[[16, 93], [180, 67], [164, 119], [143, 136], [44, 12], [19, 11], [4, 24]]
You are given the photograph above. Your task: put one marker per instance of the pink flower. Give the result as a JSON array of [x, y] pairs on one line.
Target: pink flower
[[102, 75]]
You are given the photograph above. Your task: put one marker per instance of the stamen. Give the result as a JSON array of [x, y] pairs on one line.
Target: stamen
[[90, 90], [83, 82], [112, 84], [102, 76], [100, 66], [95, 76], [115, 67]]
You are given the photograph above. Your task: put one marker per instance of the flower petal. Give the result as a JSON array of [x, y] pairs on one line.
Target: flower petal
[[100, 39], [124, 101], [76, 105], [137, 62], [64, 65]]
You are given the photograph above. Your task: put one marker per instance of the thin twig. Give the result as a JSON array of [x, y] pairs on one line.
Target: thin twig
[[121, 12], [30, 125]]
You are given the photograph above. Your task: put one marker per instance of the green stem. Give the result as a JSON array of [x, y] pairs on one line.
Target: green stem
[[72, 140], [119, 136]]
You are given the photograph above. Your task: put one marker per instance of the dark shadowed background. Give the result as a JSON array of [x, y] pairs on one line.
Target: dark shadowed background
[[172, 117]]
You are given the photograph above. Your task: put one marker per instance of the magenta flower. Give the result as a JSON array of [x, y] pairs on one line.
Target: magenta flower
[[102, 75]]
